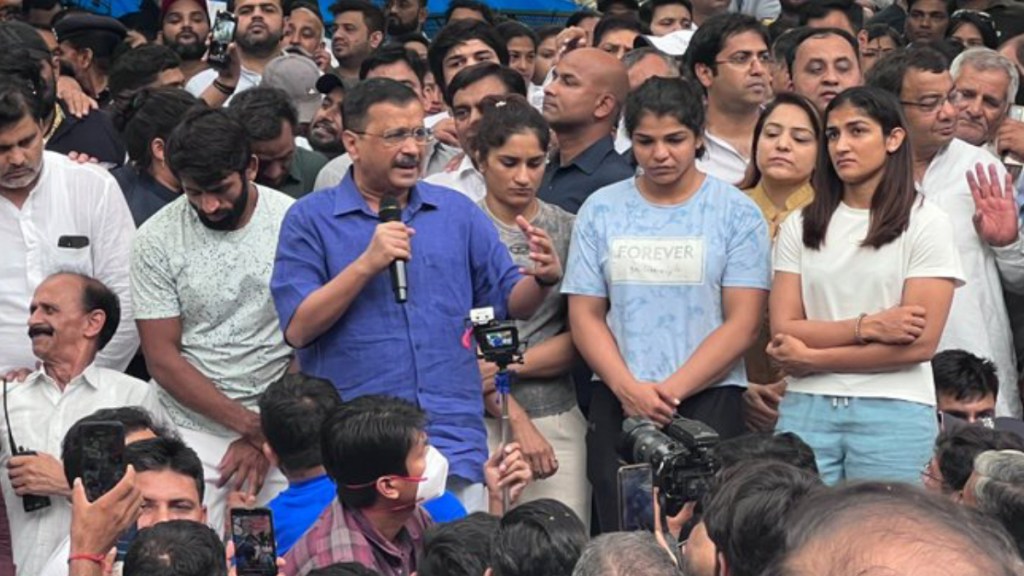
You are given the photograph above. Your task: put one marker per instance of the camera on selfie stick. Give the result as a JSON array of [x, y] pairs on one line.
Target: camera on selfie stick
[[498, 343]]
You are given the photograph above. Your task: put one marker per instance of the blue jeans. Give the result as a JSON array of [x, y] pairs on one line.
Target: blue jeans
[[862, 438]]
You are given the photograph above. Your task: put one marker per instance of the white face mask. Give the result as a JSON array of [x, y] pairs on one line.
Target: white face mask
[[435, 476]]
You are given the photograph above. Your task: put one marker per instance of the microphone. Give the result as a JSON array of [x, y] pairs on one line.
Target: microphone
[[391, 212]]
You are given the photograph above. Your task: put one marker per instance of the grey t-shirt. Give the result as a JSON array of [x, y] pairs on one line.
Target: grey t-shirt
[[541, 396]]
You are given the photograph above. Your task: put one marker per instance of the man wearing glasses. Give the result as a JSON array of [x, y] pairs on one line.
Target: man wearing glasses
[[982, 209], [335, 300], [730, 58]]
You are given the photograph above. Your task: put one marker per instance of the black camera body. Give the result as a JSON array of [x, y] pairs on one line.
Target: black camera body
[[497, 340], [682, 457]]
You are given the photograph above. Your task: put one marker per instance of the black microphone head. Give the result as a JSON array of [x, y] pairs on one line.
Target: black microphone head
[[389, 211]]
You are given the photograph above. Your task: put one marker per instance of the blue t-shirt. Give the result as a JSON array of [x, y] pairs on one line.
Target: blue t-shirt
[[663, 268], [297, 507]]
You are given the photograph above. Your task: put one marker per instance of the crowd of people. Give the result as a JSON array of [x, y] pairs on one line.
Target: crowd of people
[[797, 222]]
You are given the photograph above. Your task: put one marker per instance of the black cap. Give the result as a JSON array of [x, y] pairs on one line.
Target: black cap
[[310, 5], [100, 33], [329, 82], [15, 34], [604, 5]]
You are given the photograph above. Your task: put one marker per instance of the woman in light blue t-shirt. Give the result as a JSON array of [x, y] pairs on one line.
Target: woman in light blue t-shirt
[[667, 279]]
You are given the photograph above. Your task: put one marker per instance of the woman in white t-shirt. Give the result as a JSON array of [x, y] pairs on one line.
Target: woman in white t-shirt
[[864, 278]]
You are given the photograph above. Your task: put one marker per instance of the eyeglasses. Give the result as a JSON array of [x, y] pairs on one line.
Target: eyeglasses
[[421, 136], [741, 59], [932, 103]]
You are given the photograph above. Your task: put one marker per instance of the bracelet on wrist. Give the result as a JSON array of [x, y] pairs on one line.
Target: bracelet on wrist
[[223, 88], [94, 558], [545, 283], [857, 335]]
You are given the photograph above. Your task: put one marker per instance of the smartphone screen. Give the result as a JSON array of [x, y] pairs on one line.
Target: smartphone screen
[[253, 534], [101, 457], [223, 34], [636, 498]]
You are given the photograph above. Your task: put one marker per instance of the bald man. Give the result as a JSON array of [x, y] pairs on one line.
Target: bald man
[[582, 104]]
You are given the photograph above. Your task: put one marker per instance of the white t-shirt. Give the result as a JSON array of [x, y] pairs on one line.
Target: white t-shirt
[[70, 199], [41, 415], [843, 279], [721, 160], [463, 178], [198, 84], [218, 284]]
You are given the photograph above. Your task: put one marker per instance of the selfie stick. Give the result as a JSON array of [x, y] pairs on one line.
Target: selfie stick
[[503, 384]]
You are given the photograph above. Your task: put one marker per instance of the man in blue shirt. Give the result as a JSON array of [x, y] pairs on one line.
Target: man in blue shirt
[[335, 300]]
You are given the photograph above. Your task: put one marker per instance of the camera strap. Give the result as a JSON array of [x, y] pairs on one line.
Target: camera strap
[[7, 419]]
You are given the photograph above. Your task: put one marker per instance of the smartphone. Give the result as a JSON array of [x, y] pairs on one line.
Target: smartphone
[[124, 542], [223, 33], [73, 242], [636, 498], [252, 531], [100, 459]]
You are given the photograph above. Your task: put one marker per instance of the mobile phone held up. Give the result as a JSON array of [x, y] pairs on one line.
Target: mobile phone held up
[[252, 531], [223, 33], [636, 498], [99, 457]]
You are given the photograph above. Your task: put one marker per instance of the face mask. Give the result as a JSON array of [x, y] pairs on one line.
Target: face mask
[[435, 476]]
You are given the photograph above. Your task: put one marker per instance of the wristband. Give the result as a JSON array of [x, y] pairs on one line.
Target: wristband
[[223, 88], [544, 283], [856, 329], [94, 558]]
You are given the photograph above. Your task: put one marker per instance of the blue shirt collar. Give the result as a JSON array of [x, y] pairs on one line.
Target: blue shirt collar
[[347, 198], [591, 159]]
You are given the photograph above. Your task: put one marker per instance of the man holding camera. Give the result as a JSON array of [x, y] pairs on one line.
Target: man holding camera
[[72, 318], [338, 308]]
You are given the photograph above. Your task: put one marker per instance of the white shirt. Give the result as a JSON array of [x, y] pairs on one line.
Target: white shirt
[[40, 417], [843, 279], [218, 284], [721, 160], [433, 163], [978, 321], [333, 172], [464, 178], [70, 199], [760, 9], [200, 82]]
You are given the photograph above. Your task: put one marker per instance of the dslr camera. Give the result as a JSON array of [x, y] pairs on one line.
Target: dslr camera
[[682, 457]]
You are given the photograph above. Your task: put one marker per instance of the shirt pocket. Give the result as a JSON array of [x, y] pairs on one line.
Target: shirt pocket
[[66, 259]]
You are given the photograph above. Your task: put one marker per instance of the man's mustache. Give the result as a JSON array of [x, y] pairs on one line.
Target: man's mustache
[[40, 330]]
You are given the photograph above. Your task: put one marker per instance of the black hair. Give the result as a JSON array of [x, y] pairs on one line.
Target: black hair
[[367, 438], [805, 33], [461, 32], [784, 45], [964, 376], [981, 20], [746, 514], [873, 509], [678, 98], [103, 44], [545, 32], [22, 88], [613, 22], [822, 8], [895, 195], [647, 9], [97, 296], [949, 4], [511, 30], [539, 537], [131, 418], [207, 146], [373, 16], [474, 5], [344, 569], [459, 548], [875, 31], [150, 114], [292, 412], [403, 39], [709, 40], [958, 446], [261, 110], [753, 175], [578, 16], [889, 72], [138, 68], [355, 107], [784, 447], [386, 55], [504, 117], [176, 548], [513, 81], [165, 453]]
